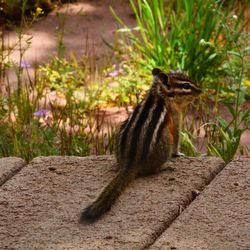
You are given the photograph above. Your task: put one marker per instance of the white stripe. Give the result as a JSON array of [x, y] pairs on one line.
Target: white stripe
[[181, 90], [161, 120]]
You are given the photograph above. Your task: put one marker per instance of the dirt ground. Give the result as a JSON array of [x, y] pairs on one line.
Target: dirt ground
[[83, 26], [84, 23]]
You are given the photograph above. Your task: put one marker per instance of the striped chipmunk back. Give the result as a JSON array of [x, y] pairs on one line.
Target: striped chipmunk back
[[149, 137]]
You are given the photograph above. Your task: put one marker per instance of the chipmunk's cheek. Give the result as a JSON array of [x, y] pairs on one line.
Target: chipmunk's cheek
[[188, 98], [165, 92]]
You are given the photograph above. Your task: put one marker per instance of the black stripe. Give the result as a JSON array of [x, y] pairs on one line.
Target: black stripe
[[151, 127], [137, 130], [125, 129], [183, 93]]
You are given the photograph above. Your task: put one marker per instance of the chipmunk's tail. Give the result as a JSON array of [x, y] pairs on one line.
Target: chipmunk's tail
[[108, 196]]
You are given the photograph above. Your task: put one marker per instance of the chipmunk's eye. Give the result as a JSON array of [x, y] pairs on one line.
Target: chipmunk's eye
[[185, 85]]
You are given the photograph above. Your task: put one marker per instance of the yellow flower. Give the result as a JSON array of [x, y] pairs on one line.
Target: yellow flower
[[247, 83], [39, 11]]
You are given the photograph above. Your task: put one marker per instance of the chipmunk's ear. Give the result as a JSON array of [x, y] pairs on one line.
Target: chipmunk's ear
[[156, 71], [164, 79], [158, 75]]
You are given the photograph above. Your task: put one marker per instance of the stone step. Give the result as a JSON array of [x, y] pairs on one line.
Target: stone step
[[9, 166], [40, 206], [218, 219]]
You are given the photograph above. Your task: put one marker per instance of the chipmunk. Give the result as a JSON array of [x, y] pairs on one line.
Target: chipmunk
[[148, 138]]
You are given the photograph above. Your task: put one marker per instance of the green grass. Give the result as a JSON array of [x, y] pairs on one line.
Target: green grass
[[57, 112], [186, 34], [33, 123]]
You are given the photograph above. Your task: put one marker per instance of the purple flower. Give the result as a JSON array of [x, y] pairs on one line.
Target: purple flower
[[41, 113], [25, 64], [114, 73]]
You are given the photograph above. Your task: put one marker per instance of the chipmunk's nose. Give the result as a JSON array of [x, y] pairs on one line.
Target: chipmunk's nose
[[198, 91]]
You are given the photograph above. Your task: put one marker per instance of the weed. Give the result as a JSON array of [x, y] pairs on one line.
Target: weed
[[53, 113], [59, 111], [226, 135]]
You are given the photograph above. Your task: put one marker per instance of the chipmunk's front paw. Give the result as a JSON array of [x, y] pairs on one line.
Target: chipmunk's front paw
[[168, 166], [177, 154]]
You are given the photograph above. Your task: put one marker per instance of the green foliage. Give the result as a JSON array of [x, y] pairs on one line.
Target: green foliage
[[129, 85], [224, 142], [225, 139], [20, 132], [187, 145], [33, 125], [181, 34], [54, 114], [63, 76], [59, 112]]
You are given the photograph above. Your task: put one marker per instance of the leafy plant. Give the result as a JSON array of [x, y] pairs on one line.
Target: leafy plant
[[54, 113], [187, 145], [130, 84], [181, 34], [226, 140]]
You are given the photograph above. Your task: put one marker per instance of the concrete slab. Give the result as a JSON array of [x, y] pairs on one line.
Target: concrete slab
[[218, 219], [9, 166], [40, 206]]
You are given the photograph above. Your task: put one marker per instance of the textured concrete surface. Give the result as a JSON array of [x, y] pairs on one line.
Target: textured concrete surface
[[218, 219], [9, 166], [40, 205]]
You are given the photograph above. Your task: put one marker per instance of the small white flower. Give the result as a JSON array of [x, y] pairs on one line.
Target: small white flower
[[202, 42], [235, 17]]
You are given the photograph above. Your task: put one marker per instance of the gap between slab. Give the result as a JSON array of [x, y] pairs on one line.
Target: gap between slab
[[184, 206], [9, 166], [48, 195], [218, 218]]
